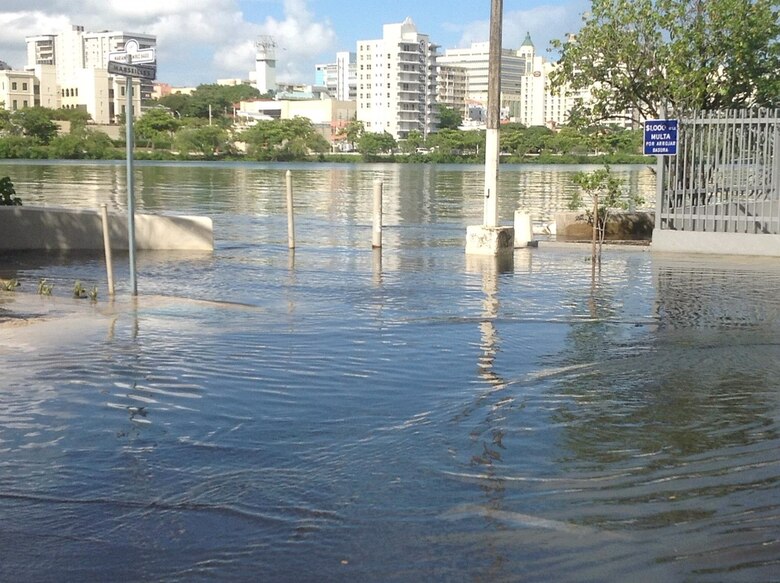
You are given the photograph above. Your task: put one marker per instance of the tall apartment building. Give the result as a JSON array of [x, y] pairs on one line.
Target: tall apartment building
[[451, 88], [475, 61], [396, 81], [525, 93], [339, 78], [71, 69]]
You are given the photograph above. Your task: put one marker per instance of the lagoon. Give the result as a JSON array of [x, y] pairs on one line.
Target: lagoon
[[342, 414]]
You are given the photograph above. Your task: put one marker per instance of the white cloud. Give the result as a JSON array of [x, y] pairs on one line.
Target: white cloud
[[17, 25], [198, 40], [544, 22]]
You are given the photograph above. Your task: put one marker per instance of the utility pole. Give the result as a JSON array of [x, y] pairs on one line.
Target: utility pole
[[490, 215], [490, 238]]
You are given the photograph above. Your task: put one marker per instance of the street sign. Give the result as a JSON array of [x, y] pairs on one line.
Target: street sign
[[660, 137], [144, 56], [138, 71], [133, 54]]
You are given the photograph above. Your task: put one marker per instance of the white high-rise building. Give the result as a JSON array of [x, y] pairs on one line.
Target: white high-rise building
[[525, 93], [75, 61], [396, 84], [339, 78], [475, 61], [265, 64]]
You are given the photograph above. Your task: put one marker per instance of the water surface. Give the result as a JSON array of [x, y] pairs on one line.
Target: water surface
[[342, 414]]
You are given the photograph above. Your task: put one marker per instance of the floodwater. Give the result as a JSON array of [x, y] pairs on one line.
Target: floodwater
[[342, 414]]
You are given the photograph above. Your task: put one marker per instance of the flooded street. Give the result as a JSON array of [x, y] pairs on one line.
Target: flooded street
[[342, 414]]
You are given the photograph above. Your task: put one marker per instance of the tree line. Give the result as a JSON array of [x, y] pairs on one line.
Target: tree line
[[640, 59], [32, 133]]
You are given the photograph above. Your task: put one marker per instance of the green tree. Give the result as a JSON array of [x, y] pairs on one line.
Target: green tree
[[284, 139], [8, 193], [156, 127], [206, 141], [413, 141], [371, 144], [80, 144], [639, 55], [352, 132], [220, 98], [449, 118], [177, 103], [601, 193], [35, 122], [77, 117]]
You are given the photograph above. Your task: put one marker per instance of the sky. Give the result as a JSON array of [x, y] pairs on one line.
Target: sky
[[200, 41]]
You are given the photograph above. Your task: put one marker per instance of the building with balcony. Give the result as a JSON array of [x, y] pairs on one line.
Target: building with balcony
[[452, 88], [396, 82], [339, 78], [71, 69], [474, 60]]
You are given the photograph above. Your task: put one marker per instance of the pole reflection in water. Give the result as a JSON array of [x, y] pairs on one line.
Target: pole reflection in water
[[488, 437]]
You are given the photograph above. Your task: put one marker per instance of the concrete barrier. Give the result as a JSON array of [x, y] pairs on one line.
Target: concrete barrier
[[636, 226], [51, 228], [666, 241]]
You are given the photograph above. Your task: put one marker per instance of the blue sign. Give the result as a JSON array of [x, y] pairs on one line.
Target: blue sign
[[660, 137]]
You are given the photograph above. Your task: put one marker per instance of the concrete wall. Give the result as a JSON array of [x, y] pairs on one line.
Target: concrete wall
[[47, 228], [715, 243], [636, 226]]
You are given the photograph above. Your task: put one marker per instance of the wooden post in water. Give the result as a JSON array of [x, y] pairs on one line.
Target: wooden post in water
[[290, 216], [376, 231], [107, 249]]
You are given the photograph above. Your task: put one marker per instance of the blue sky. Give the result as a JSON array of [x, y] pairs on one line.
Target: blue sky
[[200, 41]]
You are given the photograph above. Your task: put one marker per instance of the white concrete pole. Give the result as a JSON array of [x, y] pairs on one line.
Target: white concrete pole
[[107, 249], [376, 231], [290, 215], [490, 218]]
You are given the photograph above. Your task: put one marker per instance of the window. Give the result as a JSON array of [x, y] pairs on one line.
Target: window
[[15, 106], [24, 86], [24, 103], [13, 86]]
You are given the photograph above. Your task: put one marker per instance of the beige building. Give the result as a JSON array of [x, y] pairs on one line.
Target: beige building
[[526, 96], [396, 82], [328, 116], [475, 62], [452, 88], [17, 89], [71, 68]]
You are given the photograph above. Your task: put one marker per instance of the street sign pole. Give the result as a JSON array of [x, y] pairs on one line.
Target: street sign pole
[[130, 184], [131, 63]]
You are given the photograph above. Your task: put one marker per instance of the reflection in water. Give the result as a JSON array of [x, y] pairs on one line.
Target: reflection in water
[[342, 414], [413, 193]]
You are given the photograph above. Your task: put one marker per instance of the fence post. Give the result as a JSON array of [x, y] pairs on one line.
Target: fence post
[[376, 232], [290, 216], [107, 249], [659, 178]]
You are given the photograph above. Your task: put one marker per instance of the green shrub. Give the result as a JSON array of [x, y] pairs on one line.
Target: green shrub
[[8, 193]]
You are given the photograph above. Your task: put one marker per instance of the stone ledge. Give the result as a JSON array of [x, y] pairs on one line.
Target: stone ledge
[[51, 228], [637, 226]]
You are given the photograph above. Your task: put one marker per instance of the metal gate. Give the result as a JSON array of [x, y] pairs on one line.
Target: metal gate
[[725, 176]]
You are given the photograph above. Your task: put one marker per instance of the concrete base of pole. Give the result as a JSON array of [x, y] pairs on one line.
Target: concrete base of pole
[[482, 240], [523, 230]]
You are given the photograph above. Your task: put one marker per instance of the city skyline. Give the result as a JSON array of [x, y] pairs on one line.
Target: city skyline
[[219, 35]]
